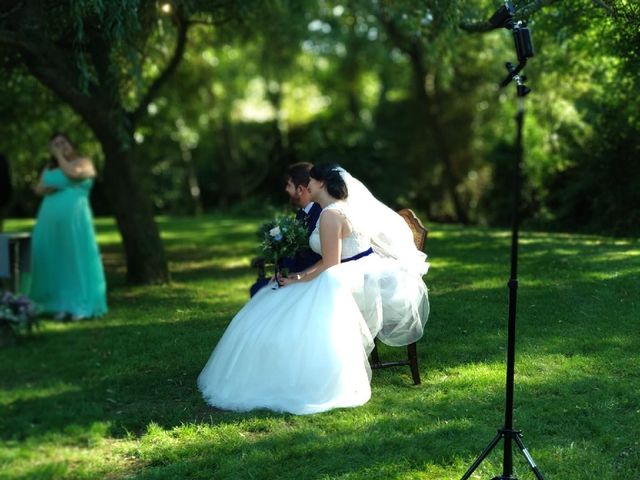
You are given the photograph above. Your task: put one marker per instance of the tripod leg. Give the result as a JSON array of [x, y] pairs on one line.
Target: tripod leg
[[529, 458], [483, 455]]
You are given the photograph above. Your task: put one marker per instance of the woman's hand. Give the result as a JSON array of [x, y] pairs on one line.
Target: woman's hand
[[290, 280]]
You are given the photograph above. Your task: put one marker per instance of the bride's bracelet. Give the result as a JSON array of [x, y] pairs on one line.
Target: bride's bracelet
[[300, 276]]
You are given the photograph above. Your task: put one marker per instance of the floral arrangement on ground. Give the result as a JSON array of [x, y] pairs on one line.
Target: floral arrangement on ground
[[18, 313]]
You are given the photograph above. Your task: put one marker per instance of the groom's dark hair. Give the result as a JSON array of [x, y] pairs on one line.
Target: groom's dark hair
[[299, 173]]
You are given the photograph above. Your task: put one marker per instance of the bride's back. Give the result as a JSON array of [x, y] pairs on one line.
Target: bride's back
[[355, 242]]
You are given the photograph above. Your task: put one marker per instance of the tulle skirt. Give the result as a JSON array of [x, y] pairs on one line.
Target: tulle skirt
[[304, 348]]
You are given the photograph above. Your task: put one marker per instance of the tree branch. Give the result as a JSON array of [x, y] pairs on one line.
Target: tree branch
[[19, 42], [522, 13], [52, 70], [181, 42], [393, 32], [52, 67], [8, 8], [46, 63], [623, 13], [610, 10]]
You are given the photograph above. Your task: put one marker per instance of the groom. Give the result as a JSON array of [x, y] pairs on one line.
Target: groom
[[308, 213]]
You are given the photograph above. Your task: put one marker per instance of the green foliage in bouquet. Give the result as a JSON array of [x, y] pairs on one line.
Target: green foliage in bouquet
[[282, 237]]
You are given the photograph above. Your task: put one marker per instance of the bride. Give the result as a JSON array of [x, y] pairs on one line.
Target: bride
[[303, 348]]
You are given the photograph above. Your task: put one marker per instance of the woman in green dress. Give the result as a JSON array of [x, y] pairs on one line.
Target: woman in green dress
[[67, 278]]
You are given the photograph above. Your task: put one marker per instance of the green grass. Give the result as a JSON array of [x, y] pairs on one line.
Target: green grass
[[117, 398]]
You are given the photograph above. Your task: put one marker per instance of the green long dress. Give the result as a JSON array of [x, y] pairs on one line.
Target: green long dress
[[66, 270]]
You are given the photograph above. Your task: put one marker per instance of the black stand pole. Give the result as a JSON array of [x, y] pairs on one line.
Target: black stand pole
[[507, 432]]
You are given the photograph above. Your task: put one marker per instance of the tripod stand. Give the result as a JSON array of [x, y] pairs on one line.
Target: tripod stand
[[503, 17], [507, 432]]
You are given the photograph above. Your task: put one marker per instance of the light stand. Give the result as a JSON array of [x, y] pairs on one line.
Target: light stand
[[524, 48]]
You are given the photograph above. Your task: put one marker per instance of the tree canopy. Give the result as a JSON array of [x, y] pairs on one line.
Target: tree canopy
[[196, 105]]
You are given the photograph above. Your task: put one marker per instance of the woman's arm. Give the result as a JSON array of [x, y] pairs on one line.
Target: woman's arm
[[78, 169], [331, 227]]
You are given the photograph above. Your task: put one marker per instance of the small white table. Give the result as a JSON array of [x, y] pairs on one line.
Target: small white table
[[15, 257]]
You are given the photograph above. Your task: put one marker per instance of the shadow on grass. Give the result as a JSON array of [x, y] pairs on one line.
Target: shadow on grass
[[135, 373], [131, 373], [382, 442], [214, 272], [127, 375]]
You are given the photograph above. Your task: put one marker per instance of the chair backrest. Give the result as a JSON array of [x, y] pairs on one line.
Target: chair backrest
[[419, 231]]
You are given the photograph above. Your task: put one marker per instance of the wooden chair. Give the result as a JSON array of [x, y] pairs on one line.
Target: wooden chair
[[419, 238]]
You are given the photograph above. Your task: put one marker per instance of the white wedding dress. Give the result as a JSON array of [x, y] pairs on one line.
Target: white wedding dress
[[304, 348]]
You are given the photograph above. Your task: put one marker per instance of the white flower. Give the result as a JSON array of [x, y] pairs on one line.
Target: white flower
[[275, 232]]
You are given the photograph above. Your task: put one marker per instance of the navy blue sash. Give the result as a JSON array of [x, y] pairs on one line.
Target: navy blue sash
[[359, 255]]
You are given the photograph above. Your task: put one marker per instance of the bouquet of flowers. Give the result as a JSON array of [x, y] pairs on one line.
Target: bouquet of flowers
[[283, 237], [17, 312]]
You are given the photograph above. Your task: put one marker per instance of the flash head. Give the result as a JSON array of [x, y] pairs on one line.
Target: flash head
[[503, 17]]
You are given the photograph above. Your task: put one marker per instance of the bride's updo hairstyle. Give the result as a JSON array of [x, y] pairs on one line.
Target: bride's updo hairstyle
[[333, 181]]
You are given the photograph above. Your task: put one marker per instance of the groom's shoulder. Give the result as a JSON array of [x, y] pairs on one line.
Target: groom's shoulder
[[315, 210]]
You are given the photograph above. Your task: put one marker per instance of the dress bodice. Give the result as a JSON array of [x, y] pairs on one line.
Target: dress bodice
[[354, 243], [56, 178]]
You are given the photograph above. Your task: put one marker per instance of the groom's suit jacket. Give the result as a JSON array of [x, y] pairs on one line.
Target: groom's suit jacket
[[307, 257]]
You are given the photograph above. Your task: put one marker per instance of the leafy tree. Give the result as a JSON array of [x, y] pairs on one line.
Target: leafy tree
[[593, 186], [402, 92], [102, 59], [582, 153]]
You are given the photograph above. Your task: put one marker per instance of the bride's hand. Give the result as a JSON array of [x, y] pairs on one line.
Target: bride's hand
[[284, 281]]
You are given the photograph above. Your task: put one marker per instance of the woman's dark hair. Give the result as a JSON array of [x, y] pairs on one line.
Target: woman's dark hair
[[333, 181], [53, 161], [60, 134]]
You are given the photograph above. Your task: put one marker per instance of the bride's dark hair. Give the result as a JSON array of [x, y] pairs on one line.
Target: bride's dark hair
[[333, 181]]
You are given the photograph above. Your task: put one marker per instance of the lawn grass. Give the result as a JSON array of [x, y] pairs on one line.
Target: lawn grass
[[117, 398]]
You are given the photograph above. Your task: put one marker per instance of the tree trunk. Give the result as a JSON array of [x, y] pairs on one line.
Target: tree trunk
[[434, 122], [413, 48], [104, 114], [278, 158], [93, 91], [145, 257], [193, 185], [226, 163]]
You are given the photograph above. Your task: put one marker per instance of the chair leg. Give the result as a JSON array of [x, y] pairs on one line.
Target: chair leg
[[375, 358], [413, 363]]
